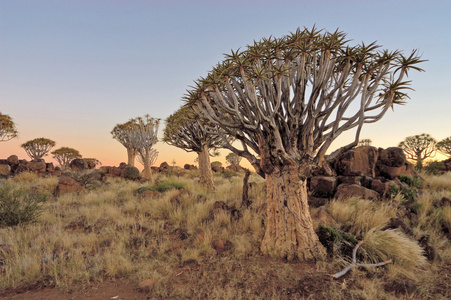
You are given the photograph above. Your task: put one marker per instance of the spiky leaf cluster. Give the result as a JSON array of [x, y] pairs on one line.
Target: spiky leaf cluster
[[143, 134], [65, 155], [38, 148], [8, 129], [289, 98], [184, 129]]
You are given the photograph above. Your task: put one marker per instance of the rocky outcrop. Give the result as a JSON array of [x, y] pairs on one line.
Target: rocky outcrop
[[364, 171]]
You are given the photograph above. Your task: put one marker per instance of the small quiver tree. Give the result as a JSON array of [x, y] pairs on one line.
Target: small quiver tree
[[418, 148], [444, 146], [287, 99], [8, 129], [121, 133], [152, 158], [233, 159], [143, 136], [65, 155], [38, 148], [185, 130]]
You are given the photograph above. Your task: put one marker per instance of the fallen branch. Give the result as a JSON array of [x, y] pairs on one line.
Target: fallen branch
[[355, 264]]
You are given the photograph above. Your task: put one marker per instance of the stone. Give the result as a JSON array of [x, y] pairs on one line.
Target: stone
[[49, 167], [395, 223], [221, 245], [402, 287], [37, 166], [13, 160], [346, 191], [146, 285], [392, 157], [323, 186], [382, 186], [394, 172], [189, 167], [360, 161], [67, 184], [350, 180], [78, 164], [150, 194], [5, 169], [164, 166]]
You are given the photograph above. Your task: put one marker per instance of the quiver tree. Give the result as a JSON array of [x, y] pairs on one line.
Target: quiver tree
[[364, 142], [142, 137], [233, 159], [185, 130], [121, 132], [153, 155], [287, 99], [38, 148], [8, 129], [444, 146], [418, 148], [65, 155]]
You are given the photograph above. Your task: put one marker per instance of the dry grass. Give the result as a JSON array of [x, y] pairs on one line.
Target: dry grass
[[112, 232]]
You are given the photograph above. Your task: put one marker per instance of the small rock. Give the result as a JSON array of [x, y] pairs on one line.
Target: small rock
[[146, 285]]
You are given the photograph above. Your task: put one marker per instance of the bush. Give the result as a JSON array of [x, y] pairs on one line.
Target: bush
[[162, 186], [131, 173], [19, 206], [409, 194], [413, 181], [433, 168]]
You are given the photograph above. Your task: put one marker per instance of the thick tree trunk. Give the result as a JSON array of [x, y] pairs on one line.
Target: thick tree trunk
[[147, 172], [289, 227], [205, 173], [131, 154]]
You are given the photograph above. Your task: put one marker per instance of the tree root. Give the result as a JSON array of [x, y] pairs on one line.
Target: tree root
[[355, 264]]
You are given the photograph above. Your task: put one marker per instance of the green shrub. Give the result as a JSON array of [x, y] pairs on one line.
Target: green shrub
[[18, 206], [409, 193], [433, 168], [131, 173], [413, 181], [393, 190], [336, 241]]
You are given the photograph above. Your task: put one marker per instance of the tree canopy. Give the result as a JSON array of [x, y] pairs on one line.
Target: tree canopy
[[65, 155], [287, 99], [8, 129], [444, 146], [418, 147], [38, 148]]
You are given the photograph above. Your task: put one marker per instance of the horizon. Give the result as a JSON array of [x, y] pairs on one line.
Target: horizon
[[73, 70]]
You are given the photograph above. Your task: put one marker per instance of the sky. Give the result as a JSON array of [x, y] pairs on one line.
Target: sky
[[70, 70]]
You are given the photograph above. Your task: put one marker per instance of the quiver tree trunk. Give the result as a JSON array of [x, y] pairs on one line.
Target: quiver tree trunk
[[131, 154], [289, 227], [147, 172], [205, 172]]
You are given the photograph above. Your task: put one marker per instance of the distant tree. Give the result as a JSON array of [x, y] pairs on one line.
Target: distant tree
[[444, 146], [365, 142], [184, 130], [92, 162], [233, 159], [8, 129], [152, 157], [142, 137], [287, 99], [121, 132], [65, 155], [418, 148], [38, 148]]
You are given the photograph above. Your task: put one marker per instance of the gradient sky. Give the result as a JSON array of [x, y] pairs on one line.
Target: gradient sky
[[71, 70]]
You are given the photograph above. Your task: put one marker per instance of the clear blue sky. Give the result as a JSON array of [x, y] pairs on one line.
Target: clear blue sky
[[71, 70]]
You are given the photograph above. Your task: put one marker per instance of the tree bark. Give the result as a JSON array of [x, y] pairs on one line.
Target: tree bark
[[289, 227], [205, 172], [147, 172], [131, 154]]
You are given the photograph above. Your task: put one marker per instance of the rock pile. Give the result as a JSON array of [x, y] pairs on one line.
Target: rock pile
[[365, 171]]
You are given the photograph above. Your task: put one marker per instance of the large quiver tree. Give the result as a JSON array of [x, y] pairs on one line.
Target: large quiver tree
[[185, 130], [8, 129], [121, 133], [444, 146], [287, 100]]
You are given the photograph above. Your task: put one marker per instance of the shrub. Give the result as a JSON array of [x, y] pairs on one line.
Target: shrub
[[17, 206], [433, 168], [409, 194], [131, 173], [413, 181], [162, 186], [393, 190]]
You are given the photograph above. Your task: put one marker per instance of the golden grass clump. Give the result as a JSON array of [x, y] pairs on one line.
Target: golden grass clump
[[359, 216], [438, 182]]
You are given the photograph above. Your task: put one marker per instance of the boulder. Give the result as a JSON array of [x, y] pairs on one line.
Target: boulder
[[78, 164], [392, 157], [350, 180], [49, 167], [67, 184], [189, 167], [13, 160], [345, 191], [37, 166], [323, 186], [163, 167], [5, 169], [360, 161], [394, 172]]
